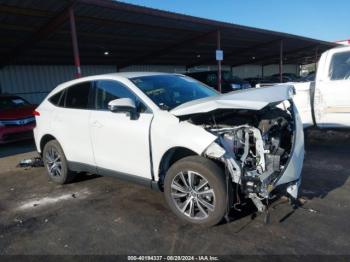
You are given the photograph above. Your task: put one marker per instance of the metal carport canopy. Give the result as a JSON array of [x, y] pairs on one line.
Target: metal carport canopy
[[39, 32]]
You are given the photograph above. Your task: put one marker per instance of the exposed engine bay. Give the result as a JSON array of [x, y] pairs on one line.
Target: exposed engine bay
[[254, 146]]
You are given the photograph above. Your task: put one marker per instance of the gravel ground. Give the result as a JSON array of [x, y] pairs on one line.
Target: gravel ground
[[101, 215]]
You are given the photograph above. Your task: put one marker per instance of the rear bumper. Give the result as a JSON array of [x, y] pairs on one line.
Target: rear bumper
[[16, 133], [37, 139]]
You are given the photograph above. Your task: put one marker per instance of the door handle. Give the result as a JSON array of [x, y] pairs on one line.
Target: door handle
[[97, 124]]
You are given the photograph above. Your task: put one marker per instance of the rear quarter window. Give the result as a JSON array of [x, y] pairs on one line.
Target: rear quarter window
[[77, 96], [56, 98]]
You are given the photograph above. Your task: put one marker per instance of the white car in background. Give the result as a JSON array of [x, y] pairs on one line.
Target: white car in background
[[173, 133]]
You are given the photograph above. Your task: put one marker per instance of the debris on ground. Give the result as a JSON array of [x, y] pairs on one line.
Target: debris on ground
[[311, 210], [117, 220], [302, 200], [31, 162], [20, 221], [328, 135], [308, 192], [44, 201]]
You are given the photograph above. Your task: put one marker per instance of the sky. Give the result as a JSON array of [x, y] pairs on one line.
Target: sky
[[327, 20]]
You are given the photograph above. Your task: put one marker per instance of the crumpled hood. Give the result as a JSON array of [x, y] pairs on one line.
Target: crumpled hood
[[252, 99]]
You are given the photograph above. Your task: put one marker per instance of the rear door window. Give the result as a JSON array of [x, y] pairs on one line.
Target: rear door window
[[77, 96]]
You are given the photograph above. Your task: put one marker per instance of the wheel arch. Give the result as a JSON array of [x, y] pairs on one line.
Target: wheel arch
[[44, 140], [170, 157]]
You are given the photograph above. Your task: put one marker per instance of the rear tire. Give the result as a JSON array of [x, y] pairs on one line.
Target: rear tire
[[56, 163], [195, 190]]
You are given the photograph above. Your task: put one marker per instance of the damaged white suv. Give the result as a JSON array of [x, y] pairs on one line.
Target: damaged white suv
[[173, 133]]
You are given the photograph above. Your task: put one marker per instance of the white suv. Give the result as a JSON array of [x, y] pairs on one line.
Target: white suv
[[173, 133]]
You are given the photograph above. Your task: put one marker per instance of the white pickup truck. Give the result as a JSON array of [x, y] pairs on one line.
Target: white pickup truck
[[325, 103]]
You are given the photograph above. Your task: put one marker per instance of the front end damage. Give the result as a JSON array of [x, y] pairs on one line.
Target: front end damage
[[262, 150]]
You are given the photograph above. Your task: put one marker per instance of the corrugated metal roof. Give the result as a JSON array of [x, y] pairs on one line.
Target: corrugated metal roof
[[137, 35]]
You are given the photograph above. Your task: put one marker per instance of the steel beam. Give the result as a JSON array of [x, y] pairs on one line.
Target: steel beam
[[101, 38], [119, 23], [218, 47], [280, 68], [166, 50], [8, 9], [74, 42], [186, 18], [42, 33], [89, 19], [316, 57], [17, 28], [270, 57], [238, 52]]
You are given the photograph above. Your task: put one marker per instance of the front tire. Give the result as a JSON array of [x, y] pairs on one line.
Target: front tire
[[56, 163], [195, 190]]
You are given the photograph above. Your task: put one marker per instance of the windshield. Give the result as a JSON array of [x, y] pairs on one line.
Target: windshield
[[12, 102], [170, 91]]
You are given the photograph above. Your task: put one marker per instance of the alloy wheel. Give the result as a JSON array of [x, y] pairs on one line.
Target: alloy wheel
[[192, 195], [53, 162]]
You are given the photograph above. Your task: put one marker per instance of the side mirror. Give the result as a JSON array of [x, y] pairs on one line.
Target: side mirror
[[123, 105]]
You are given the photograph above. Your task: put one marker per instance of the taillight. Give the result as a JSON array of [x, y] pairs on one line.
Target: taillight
[[36, 113]]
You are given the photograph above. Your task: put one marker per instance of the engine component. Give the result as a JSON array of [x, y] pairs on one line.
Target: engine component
[[257, 202], [255, 154]]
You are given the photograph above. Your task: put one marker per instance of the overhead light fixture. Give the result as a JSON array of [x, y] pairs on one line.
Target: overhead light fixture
[[198, 56], [106, 53], [253, 57]]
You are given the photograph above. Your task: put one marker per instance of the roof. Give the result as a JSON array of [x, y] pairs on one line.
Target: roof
[[38, 32], [136, 74], [117, 76], [343, 48], [127, 75]]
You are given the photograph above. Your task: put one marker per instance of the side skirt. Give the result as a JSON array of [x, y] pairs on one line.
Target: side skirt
[[80, 167]]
